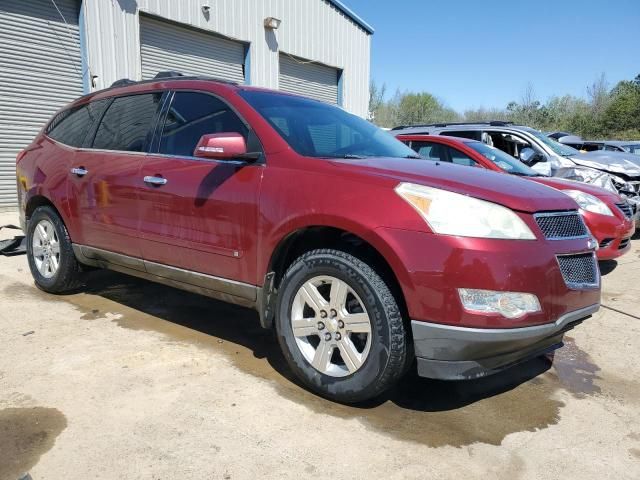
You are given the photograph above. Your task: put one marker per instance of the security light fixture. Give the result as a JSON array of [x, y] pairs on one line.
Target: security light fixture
[[272, 23], [205, 9]]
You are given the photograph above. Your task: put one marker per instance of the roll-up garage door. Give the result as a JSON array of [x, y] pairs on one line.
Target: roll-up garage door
[[309, 79], [167, 46], [40, 72]]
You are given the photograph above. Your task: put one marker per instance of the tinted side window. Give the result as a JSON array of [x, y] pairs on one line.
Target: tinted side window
[[473, 135], [71, 126], [430, 150], [126, 123], [192, 115], [460, 158]]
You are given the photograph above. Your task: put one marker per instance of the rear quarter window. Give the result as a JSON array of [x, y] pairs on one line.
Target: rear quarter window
[[71, 126]]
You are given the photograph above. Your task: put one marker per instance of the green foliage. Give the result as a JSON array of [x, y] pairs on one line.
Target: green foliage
[[604, 114]]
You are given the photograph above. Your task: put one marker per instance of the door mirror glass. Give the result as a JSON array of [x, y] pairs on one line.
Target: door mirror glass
[[530, 157], [226, 145]]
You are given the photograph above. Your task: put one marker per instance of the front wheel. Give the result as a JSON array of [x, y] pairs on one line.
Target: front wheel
[[340, 327]]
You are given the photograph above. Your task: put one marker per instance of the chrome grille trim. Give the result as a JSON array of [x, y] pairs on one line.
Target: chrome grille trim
[[580, 271], [565, 225], [626, 209]]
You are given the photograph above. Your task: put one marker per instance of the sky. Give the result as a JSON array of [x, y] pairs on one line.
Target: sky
[[473, 53]]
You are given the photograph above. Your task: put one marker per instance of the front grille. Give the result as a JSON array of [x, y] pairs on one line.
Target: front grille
[[623, 243], [626, 209], [556, 226], [579, 271]]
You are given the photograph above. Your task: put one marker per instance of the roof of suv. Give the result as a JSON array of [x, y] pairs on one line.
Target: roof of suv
[[163, 80], [432, 127]]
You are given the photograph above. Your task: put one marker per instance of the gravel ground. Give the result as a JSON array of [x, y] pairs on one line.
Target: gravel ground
[[128, 379]]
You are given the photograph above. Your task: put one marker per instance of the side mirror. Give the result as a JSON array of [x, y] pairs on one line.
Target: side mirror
[[530, 157], [227, 145]]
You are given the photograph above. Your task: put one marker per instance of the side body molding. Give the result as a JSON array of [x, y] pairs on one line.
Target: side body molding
[[215, 287]]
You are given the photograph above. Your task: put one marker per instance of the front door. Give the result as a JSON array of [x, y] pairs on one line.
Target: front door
[[105, 177], [197, 214]]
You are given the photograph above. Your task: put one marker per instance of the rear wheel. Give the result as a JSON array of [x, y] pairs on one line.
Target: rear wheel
[[51, 259], [339, 327]]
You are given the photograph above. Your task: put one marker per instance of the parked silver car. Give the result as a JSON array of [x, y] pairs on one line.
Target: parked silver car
[[621, 146]]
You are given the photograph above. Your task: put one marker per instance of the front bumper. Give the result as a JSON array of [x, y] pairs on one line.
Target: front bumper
[[612, 233], [450, 352]]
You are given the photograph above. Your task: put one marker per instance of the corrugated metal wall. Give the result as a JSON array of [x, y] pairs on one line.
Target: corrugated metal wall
[[308, 78], [40, 72], [310, 29], [168, 46]]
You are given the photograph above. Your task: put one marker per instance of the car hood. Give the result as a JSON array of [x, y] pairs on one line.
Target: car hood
[[564, 184], [613, 162], [496, 187]]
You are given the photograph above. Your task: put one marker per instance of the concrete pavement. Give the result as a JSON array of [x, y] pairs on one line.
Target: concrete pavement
[[129, 379]]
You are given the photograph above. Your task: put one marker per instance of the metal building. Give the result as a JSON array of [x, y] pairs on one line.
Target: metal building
[[52, 51]]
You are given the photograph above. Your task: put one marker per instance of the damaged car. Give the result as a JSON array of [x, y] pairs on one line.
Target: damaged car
[[623, 146], [545, 155]]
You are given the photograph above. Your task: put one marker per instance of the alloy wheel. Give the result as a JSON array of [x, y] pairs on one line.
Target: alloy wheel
[[46, 249], [331, 326]]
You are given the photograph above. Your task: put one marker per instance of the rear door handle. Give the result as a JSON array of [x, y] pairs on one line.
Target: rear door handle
[[79, 171], [155, 181]]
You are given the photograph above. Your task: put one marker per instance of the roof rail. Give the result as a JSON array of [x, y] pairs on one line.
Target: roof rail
[[493, 123], [168, 74], [122, 82]]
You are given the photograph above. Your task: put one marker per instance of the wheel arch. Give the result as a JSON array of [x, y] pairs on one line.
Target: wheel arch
[[38, 199], [364, 244]]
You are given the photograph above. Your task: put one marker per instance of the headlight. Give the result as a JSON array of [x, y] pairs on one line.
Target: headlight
[[507, 304], [589, 202], [450, 213]]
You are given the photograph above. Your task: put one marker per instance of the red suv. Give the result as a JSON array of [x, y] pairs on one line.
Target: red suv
[[360, 257], [608, 216]]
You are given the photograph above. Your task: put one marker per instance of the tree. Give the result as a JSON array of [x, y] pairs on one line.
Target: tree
[[376, 99], [416, 108], [604, 113], [622, 115]]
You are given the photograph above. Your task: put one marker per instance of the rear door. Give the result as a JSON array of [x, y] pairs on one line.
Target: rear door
[[203, 217], [105, 176]]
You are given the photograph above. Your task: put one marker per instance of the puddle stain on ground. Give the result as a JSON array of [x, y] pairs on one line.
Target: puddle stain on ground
[[435, 413], [25, 435], [575, 369]]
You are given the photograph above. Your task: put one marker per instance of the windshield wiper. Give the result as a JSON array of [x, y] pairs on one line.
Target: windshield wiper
[[345, 155], [412, 156]]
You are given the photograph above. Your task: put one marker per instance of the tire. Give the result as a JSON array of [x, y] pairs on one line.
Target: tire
[[367, 363], [42, 247]]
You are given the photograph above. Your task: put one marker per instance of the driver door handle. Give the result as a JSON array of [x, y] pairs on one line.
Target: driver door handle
[[79, 171], [155, 181]]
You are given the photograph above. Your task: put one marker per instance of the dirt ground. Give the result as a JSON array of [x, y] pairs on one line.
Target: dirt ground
[[129, 379]]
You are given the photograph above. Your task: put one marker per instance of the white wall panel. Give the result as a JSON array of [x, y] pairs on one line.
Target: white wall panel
[[310, 29]]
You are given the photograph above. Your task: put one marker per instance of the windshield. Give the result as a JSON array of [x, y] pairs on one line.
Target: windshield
[[556, 147], [316, 129], [503, 160]]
